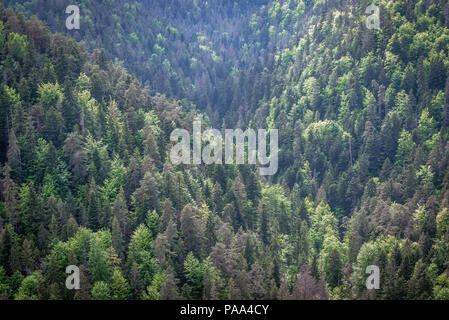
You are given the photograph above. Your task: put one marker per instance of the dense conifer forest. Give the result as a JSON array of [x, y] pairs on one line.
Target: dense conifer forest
[[85, 171]]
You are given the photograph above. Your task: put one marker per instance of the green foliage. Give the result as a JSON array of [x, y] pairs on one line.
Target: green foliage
[[153, 223], [405, 147], [99, 264], [441, 289], [29, 289], [120, 289], [101, 291], [442, 221], [87, 179], [194, 275], [153, 290], [140, 252], [17, 45], [426, 126], [50, 95], [323, 223]]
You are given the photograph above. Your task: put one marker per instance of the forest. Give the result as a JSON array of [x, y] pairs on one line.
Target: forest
[[85, 171]]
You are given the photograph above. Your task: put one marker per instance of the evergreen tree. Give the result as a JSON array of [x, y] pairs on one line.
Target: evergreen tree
[[93, 207], [119, 287], [101, 291]]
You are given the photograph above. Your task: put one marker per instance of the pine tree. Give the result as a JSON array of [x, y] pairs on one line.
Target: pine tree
[[194, 275], [445, 114], [70, 228], [84, 293], [28, 257], [146, 196], [99, 266], [9, 249], [119, 287], [210, 233], [333, 270], [117, 237], [191, 230], [101, 291], [93, 207], [14, 157], [169, 289], [242, 218], [10, 192], [263, 224], [420, 286], [232, 292]]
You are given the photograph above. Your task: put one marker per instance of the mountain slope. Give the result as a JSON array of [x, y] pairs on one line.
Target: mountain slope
[[363, 160]]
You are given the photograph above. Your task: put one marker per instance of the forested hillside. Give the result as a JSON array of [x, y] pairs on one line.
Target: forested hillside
[[188, 49], [363, 150]]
